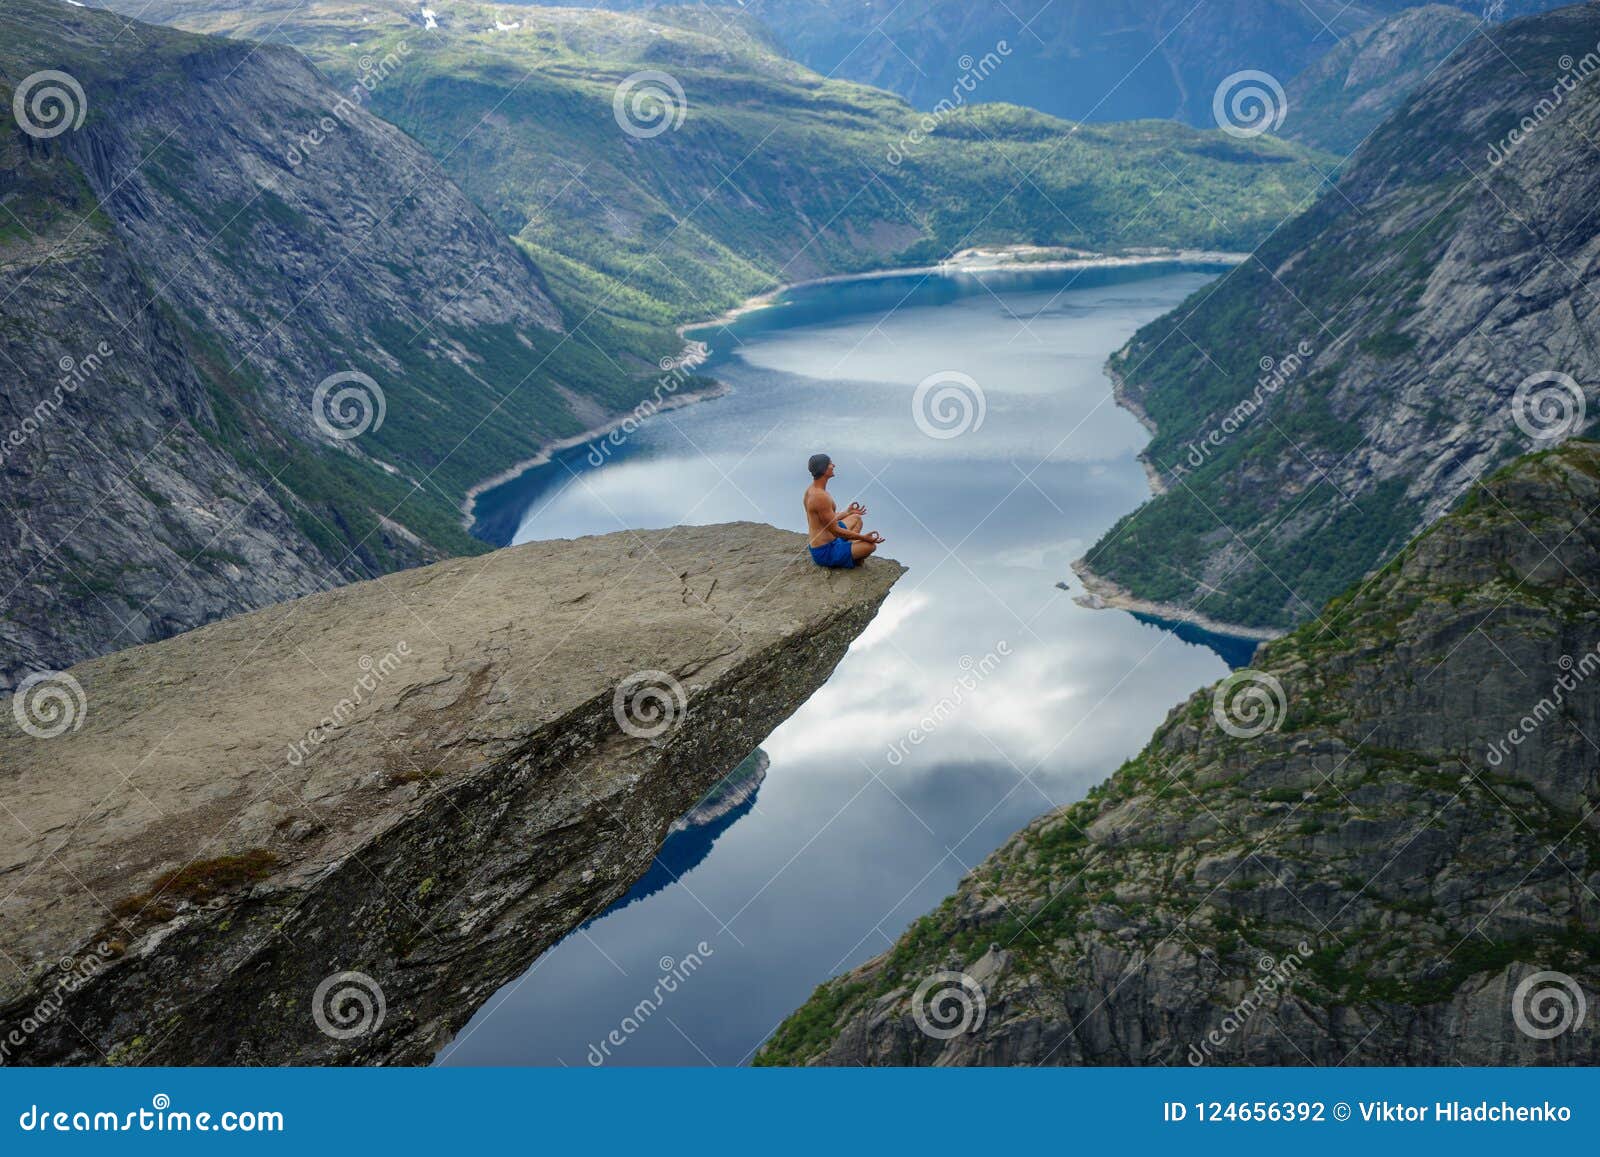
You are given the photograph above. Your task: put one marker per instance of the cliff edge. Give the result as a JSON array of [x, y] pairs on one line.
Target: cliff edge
[[369, 808]]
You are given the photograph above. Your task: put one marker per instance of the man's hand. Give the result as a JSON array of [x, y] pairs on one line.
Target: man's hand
[[873, 536], [857, 508]]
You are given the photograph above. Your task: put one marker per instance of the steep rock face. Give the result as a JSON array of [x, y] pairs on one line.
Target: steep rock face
[[427, 779], [222, 233], [1346, 385], [1349, 90], [127, 516], [1360, 852]]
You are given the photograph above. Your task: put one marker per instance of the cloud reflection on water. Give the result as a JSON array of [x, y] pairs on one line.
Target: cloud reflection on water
[[845, 845]]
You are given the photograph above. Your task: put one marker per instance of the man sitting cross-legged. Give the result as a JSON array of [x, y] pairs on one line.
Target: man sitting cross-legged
[[836, 539]]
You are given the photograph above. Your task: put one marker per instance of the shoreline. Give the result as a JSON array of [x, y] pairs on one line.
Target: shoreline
[[1119, 395], [547, 451], [987, 259], [1101, 593]]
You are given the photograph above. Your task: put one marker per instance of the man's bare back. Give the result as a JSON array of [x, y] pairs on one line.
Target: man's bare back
[[836, 540]]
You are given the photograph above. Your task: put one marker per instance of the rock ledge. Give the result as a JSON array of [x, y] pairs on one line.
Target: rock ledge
[[424, 779]]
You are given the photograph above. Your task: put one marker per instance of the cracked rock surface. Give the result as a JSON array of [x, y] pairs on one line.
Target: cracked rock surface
[[423, 778]]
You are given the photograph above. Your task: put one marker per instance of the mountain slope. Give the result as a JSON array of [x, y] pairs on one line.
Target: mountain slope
[[1349, 91], [1080, 59], [1359, 852], [204, 278], [762, 172], [1428, 318]]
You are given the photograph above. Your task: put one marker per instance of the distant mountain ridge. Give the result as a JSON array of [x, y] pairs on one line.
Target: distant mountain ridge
[[1097, 60], [765, 172]]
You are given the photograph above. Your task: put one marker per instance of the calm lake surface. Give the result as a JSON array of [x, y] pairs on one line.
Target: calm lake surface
[[856, 831]]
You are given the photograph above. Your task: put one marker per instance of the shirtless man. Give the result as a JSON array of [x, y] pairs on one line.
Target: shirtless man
[[836, 539]]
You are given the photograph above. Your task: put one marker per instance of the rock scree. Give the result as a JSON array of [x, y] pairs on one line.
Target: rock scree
[[328, 830]]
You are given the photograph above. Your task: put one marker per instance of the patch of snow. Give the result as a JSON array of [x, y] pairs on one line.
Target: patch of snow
[[430, 18]]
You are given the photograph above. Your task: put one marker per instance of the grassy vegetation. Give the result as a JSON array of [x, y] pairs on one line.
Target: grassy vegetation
[[196, 883], [775, 174]]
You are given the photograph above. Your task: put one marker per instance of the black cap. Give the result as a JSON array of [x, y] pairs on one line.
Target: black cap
[[818, 463]]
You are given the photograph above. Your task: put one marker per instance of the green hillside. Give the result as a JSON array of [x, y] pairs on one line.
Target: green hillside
[[774, 173]]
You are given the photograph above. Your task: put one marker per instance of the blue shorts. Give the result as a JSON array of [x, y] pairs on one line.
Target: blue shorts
[[835, 553]]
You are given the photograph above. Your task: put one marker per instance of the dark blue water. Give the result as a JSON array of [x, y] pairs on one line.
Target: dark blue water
[[859, 828]]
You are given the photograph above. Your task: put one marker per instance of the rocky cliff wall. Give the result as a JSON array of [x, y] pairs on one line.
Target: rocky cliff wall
[[1379, 846]]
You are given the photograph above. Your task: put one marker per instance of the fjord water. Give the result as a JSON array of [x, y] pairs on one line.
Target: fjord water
[[858, 829]]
